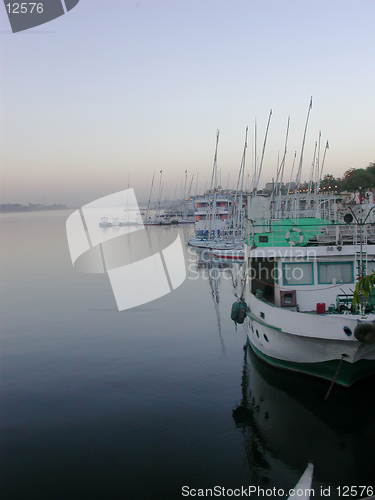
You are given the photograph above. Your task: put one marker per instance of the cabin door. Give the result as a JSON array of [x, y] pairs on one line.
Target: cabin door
[[262, 277]]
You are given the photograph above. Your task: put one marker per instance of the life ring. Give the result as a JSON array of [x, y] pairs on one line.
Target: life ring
[[293, 243]]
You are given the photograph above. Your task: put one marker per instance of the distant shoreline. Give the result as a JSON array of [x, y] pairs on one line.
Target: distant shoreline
[[7, 208]]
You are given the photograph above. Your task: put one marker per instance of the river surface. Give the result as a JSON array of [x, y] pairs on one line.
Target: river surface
[[139, 404]]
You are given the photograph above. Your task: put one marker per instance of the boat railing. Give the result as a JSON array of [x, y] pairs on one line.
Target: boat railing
[[344, 233]]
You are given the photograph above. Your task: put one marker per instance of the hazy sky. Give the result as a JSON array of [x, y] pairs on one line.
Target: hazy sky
[[118, 87]]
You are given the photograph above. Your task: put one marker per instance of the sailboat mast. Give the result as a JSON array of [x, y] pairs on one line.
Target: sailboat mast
[[311, 177], [188, 197], [240, 180], [280, 173], [149, 199], [290, 180], [299, 172], [255, 156], [213, 187], [160, 191], [262, 158], [324, 157]]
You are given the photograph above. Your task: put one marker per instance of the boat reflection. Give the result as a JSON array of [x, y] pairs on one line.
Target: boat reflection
[[286, 423], [215, 270]]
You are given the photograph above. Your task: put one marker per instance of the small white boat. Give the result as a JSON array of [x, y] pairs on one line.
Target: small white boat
[[105, 222], [233, 254]]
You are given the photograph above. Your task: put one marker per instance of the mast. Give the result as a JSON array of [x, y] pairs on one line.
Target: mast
[[317, 163], [240, 214], [188, 197], [324, 157], [191, 183], [213, 186], [261, 160], [149, 199], [255, 156], [299, 172], [281, 169], [160, 191], [185, 194], [311, 176], [290, 180]]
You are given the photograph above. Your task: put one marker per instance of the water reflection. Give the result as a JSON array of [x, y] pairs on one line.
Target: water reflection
[[286, 422], [215, 270]]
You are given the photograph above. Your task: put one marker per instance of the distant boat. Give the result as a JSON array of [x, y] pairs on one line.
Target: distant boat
[[104, 222]]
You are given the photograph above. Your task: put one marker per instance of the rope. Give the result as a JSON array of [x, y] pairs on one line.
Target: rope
[[334, 378]]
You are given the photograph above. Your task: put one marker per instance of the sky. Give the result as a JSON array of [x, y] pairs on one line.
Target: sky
[[102, 97]]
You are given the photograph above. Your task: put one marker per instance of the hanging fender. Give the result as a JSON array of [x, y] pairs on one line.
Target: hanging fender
[[238, 312]]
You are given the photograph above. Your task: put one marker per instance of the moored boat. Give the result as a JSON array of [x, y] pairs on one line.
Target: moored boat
[[301, 315]]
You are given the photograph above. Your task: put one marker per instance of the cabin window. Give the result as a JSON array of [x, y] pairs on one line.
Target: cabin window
[[332, 273], [298, 273], [263, 239]]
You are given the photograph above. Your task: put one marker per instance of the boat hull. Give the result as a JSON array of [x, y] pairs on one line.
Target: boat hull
[[348, 372], [311, 344], [228, 254]]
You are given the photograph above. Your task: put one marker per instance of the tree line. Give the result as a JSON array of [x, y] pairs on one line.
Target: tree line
[[354, 179]]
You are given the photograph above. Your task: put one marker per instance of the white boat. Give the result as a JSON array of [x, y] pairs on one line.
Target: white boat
[[198, 242], [232, 254], [212, 214], [218, 244], [300, 313], [157, 221]]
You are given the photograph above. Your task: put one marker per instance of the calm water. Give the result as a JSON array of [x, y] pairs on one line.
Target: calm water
[[98, 404]]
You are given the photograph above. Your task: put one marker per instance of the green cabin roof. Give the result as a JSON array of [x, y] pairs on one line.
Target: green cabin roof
[[286, 232]]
